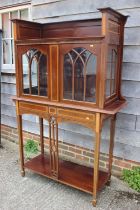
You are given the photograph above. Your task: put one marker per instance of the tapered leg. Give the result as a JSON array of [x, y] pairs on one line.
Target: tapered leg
[[96, 158], [41, 135], [21, 152], [111, 146]]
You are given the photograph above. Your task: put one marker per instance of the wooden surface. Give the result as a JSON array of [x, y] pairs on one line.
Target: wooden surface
[[111, 109], [72, 174], [128, 122], [91, 110], [57, 39], [84, 28]]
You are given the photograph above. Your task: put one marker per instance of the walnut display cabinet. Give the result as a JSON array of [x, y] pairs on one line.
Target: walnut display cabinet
[[70, 72]]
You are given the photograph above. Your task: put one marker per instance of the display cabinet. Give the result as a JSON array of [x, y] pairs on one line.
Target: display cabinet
[[70, 72]]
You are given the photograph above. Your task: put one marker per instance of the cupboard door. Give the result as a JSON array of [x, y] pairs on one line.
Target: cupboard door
[[34, 72], [111, 71], [79, 70]]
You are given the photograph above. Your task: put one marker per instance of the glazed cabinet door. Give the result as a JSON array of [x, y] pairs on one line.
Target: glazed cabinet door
[[33, 71], [112, 74], [79, 64]]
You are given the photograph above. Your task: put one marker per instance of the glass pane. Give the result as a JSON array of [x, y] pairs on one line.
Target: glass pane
[[80, 75], [43, 75], [14, 14], [6, 25], [91, 78], [6, 51], [25, 69], [67, 77], [75, 52], [114, 71], [111, 73], [113, 78], [35, 73], [108, 87], [13, 51], [24, 14], [78, 80], [108, 79], [34, 67]]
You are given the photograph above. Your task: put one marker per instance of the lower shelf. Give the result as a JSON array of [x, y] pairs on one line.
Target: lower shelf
[[72, 174]]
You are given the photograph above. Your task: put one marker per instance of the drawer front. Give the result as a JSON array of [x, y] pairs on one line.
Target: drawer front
[[76, 115], [29, 108]]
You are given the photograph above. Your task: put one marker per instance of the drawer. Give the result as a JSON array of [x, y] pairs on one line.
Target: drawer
[[30, 108], [73, 114]]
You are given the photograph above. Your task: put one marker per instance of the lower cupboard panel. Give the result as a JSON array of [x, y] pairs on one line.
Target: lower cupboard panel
[[72, 174]]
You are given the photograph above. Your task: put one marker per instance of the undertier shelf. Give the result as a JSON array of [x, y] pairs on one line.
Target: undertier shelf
[[72, 174]]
